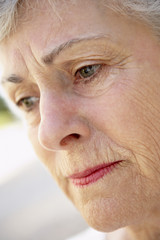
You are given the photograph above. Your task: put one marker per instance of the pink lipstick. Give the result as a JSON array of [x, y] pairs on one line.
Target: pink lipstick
[[93, 174]]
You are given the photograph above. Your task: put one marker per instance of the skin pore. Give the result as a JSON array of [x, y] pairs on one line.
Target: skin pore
[[88, 85]]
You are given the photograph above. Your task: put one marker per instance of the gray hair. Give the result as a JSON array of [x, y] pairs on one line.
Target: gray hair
[[8, 11], [147, 11]]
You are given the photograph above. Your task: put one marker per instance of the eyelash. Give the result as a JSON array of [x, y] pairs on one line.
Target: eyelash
[[80, 79], [21, 103]]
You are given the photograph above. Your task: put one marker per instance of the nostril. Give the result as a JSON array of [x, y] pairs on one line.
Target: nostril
[[76, 135], [69, 138]]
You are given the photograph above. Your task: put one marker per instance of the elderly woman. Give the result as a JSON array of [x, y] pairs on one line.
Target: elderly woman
[[86, 76]]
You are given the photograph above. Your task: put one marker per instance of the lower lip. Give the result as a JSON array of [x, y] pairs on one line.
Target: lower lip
[[94, 175]]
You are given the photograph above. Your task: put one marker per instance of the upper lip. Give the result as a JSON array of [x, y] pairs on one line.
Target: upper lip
[[90, 171]]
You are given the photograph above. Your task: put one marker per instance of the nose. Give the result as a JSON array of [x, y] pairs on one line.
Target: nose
[[61, 124]]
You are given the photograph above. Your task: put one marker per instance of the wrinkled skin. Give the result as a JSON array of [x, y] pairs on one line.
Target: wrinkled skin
[[75, 124]]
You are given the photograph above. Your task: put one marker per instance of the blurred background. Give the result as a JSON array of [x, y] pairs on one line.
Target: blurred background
[[31, 205]]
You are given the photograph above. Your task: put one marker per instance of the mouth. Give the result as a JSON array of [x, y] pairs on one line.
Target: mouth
[[93, 174]]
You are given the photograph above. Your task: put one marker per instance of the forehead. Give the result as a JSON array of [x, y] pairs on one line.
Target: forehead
[[59, 20], [46, 28], [58, 23]]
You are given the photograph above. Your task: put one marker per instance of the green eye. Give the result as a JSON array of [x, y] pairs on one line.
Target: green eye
[[88, 71], [27, 103]]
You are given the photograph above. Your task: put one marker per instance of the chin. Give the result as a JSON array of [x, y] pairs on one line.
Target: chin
[[107, 216], [103, 224]]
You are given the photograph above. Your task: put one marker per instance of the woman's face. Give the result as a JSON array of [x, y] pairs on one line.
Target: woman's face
[[87, 81]]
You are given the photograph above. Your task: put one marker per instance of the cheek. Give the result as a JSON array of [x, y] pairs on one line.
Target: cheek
[[125, 121], [118, 117], [128, 115], [46, 157], [54, 161], [33, 137]]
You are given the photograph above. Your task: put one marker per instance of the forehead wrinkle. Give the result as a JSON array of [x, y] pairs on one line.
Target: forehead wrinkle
[[20, 60], [18, 64], [50, 57], [34, 67]]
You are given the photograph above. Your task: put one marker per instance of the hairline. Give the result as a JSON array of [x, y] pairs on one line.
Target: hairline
[[20, 7]]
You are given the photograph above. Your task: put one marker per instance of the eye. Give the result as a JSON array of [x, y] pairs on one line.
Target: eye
[[27, 103], [87, 71], [90, 80]]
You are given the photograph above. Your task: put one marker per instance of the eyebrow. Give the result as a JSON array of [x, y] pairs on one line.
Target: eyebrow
[[50, 57], [13, 78]]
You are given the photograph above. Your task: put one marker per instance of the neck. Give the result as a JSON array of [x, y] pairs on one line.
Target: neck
[[143, 232]]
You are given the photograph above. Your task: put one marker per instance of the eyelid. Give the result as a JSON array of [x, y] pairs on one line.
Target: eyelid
[[20, 101], [98, 68], [81, 65]]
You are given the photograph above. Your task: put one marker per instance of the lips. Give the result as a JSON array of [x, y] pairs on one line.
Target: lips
[[93, 174]]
